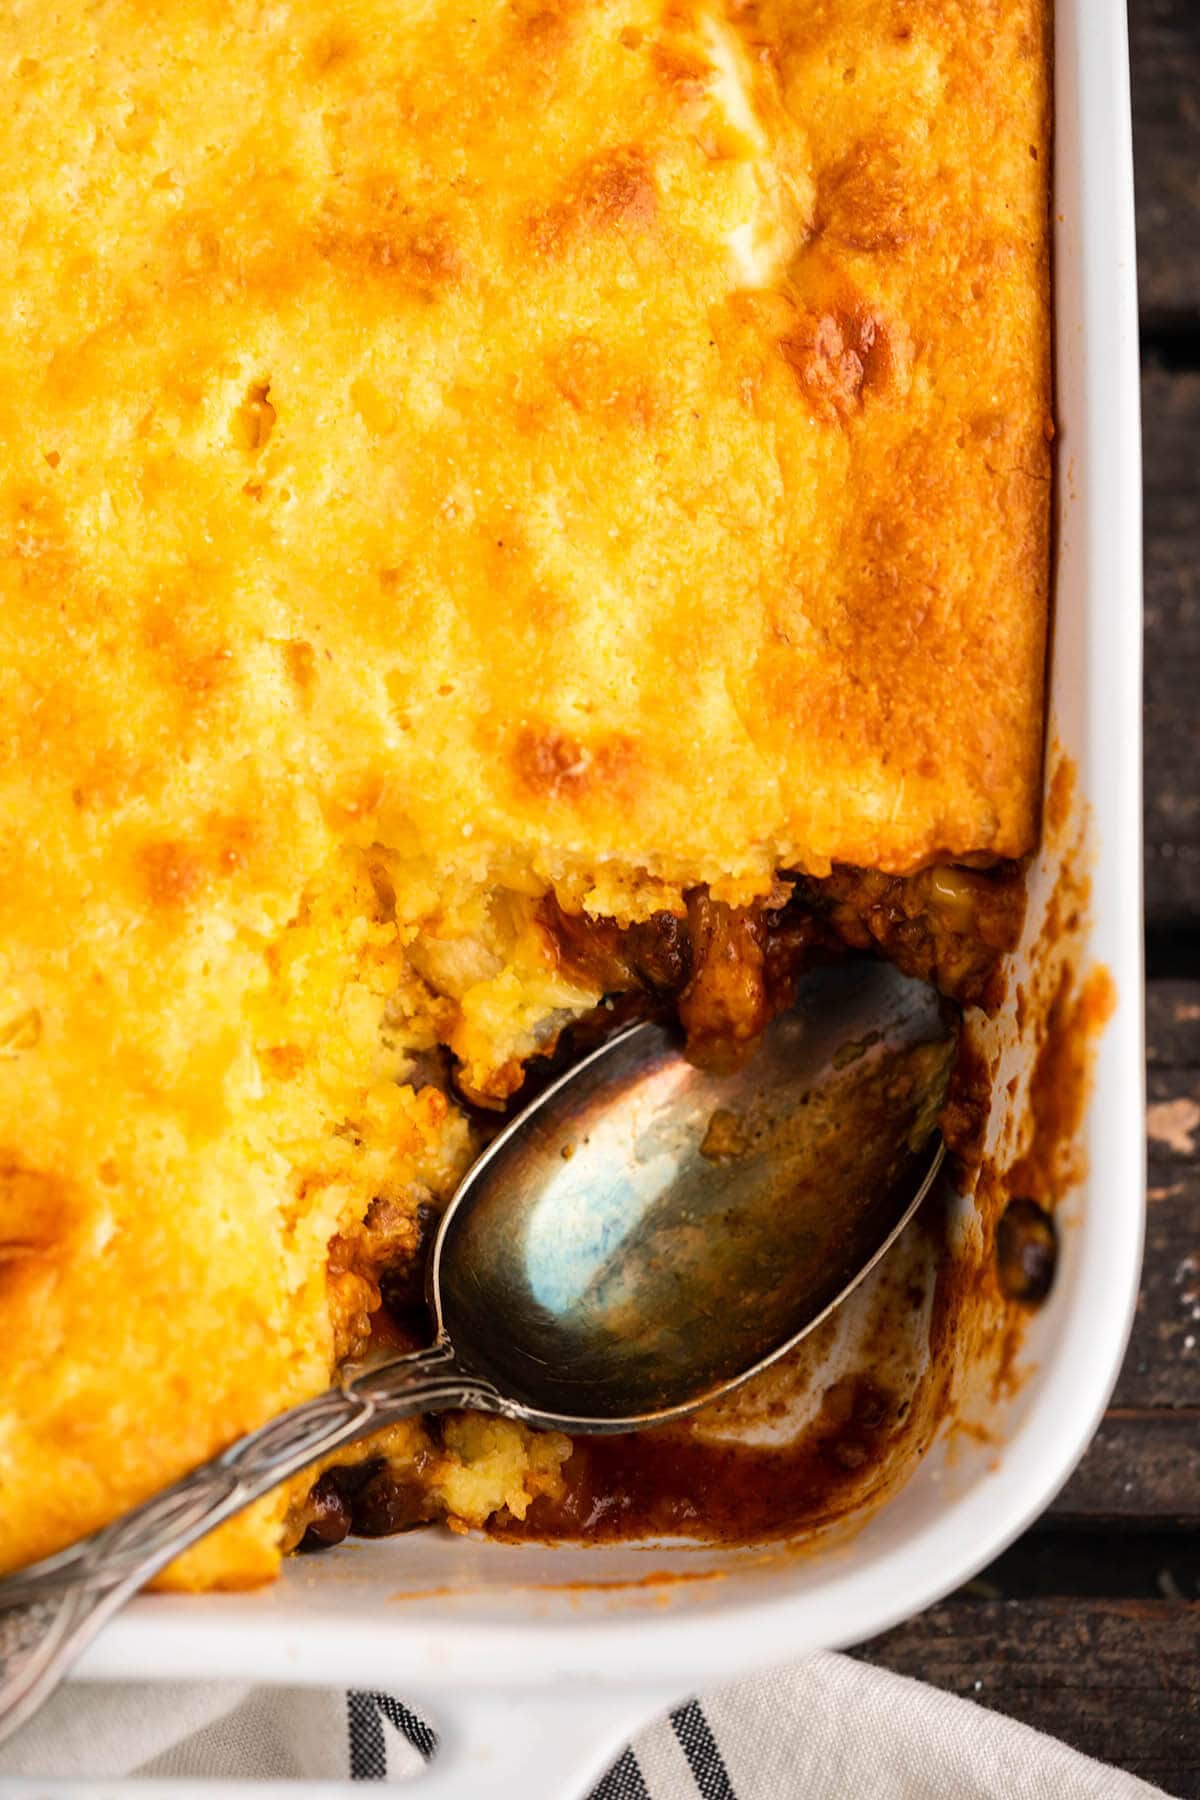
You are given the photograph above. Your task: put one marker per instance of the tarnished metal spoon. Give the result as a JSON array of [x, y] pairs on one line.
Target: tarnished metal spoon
[[643, 1237]]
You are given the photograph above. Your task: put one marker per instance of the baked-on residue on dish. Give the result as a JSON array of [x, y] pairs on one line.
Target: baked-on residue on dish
[[456, 462]]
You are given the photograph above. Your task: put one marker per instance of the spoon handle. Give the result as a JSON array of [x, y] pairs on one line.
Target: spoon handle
[[52, 1610]]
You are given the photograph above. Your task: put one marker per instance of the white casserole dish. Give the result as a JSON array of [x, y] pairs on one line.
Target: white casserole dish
[[534, 1681]]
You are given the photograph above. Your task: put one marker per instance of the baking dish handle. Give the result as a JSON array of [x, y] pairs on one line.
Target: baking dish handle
[[543, 1745]]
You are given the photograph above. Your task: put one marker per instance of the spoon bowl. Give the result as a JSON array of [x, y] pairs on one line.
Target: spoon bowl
[[648, 1232]]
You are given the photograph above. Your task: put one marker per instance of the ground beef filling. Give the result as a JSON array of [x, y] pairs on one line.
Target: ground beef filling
[[381, 1268], [947, 925], [723, 972], [726, 971]]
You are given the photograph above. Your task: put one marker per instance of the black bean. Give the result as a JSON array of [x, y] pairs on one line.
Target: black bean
[[1026, 1252], [389, 1503], [328, 1513]]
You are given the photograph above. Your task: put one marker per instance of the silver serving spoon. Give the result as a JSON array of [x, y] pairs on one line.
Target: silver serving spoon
[[643, 1237]]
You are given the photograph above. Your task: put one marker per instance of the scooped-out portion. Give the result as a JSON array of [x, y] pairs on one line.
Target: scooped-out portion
[[721, 973]]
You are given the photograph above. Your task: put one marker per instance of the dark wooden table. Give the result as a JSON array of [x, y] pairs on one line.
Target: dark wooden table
[[1089, 1627]]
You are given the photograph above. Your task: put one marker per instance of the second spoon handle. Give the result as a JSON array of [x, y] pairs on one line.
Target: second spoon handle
[[51, 1611]]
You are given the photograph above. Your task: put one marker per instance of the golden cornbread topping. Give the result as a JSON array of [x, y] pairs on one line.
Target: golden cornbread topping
[[454, 459]]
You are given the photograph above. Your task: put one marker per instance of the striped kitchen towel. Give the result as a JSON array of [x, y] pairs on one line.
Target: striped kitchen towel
[[829, 1728]]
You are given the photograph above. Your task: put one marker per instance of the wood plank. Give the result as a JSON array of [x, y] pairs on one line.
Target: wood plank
[[1165, 53], [1162, 1368], [1140, 1466], [1171, 426], [1165, 49], [1119, 1680], [1173, 1026], [1124, 1560]]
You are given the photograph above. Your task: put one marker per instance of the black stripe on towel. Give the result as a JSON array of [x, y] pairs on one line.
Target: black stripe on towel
[[623, 1782], [368, 1753], [700, 1747], [365, 1713], [421, 1736]]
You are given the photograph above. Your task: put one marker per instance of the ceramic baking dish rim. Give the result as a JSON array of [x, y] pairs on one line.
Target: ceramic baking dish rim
[[253, 1638]]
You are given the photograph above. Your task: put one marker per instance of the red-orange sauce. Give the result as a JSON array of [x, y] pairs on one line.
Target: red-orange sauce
[[1060, 798], [1058, 1087], [673, 1483]]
